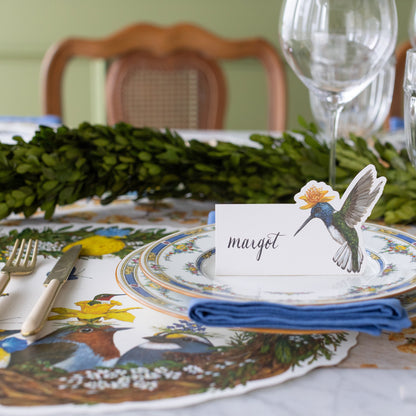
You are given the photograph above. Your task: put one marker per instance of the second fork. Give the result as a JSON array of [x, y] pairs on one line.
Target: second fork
[[18, 265]]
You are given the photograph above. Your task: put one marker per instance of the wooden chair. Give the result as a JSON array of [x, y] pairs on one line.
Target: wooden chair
[[396, 109], [165, 76]]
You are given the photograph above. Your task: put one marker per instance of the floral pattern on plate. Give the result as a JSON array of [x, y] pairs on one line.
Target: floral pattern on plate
[[192, 272]]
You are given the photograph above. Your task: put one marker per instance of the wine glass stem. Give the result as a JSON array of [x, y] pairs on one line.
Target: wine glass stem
[[334, 114]]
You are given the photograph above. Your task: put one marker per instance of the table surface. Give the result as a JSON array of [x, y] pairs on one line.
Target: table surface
[[376, 378]]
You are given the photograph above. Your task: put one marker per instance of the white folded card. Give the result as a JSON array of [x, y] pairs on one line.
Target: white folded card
[[319, 234]]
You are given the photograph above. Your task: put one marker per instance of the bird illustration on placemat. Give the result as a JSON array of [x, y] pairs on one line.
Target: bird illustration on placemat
[[103, 298], [360, 198], [9, 344], [72, 348], [157, 346]]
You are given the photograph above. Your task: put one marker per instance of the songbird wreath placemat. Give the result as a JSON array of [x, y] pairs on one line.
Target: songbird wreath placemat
[[100, 347]]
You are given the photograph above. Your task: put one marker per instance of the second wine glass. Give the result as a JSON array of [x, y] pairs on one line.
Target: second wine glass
[[365, 114], [336, 48], [409, 105]]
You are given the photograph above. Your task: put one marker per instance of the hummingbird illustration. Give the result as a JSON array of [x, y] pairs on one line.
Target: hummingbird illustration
[[103, 298], [342, 224], [72, 348]]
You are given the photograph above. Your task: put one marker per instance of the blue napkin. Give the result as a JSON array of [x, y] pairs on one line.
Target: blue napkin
[[211, 217], [371, 316]]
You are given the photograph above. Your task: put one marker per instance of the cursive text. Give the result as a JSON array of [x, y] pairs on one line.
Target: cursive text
[[265, 243]]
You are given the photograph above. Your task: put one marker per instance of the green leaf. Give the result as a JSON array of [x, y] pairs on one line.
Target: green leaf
[[33, 160], [121, 140], [23, 168], [110, 160], [122, 166], [127, 159], [49, 208], [18, 195], [48, 160], [153, 169], [29, 200], [4, 210], [3, 158], [204, 168], [80, 162], [100, 142], [66, 195], [49, 185], [145, 156], [235, 159]]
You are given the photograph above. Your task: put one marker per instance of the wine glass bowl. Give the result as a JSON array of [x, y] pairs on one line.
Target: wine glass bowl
[[365, 114], [336, 48], [409, 107]]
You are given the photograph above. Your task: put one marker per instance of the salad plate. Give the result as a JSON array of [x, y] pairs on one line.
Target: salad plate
[[184, 262]]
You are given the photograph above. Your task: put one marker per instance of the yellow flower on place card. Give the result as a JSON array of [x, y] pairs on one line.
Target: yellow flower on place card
[[313, 195], [91, 311]]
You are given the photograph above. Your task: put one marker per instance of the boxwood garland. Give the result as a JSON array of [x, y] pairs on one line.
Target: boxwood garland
[[59, 167]]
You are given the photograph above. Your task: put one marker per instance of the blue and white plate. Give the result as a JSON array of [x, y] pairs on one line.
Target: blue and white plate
[[138, 286], [184, 262]]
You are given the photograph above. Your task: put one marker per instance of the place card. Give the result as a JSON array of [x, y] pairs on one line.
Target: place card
[[319, 234]]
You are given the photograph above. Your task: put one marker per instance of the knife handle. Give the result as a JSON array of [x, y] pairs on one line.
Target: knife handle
[[37, 316], [4, 280]]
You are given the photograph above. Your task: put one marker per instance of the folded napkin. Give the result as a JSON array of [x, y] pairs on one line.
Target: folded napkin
[[371, 316]]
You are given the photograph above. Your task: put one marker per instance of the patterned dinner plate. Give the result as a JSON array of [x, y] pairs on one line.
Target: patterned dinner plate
[[184, 262], [137, 285]]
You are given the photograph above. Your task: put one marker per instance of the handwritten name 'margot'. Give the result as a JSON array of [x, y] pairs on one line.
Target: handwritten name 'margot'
[[265, 243]]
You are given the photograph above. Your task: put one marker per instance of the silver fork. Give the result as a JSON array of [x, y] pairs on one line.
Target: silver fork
[[16, 264]]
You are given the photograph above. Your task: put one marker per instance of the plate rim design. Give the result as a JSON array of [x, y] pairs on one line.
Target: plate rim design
[[189, 291], [137, 296]]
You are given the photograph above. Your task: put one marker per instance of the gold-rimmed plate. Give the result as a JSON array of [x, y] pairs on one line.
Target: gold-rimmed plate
[[184, 262]]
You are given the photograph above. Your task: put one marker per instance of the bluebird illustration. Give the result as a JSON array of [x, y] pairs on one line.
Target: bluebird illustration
[[72, 348], [9, 344], [341, 224], [158, 345]]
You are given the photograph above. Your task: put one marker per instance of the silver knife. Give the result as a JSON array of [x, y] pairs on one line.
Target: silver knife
[[55, 280]]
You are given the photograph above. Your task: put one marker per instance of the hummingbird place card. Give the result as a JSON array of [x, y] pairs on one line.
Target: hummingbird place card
[[319, 234]]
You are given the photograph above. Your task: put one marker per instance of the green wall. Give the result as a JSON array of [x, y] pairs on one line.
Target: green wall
[[29, 27]]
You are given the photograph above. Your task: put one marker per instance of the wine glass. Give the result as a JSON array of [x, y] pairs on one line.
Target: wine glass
[[336, 48], [409, 108], [365, 114]]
